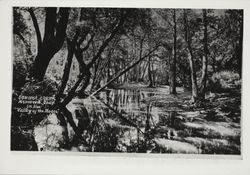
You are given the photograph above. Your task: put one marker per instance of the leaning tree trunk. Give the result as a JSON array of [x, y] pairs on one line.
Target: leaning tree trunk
[[83, 69], [124, 71], [66, 71], [41, 63]]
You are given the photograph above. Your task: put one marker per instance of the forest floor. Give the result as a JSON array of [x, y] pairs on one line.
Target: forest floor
[[223, 103], [213, 125], [176, 126]]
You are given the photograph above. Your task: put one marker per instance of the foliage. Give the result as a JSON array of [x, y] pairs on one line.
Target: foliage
[[71, 53], [224, 81]]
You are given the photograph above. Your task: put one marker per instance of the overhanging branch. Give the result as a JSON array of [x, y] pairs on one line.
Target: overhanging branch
[[38, 33]]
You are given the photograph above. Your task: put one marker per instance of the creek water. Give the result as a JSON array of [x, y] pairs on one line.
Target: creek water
[[120, 120]]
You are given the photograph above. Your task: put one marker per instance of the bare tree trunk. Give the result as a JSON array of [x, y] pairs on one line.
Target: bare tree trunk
[[124, 71], [151, 84], [66, 70], [191, 60], [110, 52], [99, 75], [108, 69], [85, 72], [144, 71], [95, 74], [86, 83], [54, 36], [204, 59], [213, 63], [240, 50], [83, 69], [173, 62]]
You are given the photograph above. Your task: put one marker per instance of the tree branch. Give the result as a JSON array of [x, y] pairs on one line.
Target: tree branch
[[25, 43], [71, 94], [106, 42], [124, 71], [61, 26], [66, 71], [50, 23], [38, 33]]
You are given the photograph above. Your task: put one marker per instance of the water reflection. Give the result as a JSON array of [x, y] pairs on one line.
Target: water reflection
[[121, 121]]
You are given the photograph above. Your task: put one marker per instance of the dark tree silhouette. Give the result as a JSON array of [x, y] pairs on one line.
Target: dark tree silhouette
[[54, 36]]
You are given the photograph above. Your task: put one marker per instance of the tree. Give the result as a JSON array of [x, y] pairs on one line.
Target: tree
[[53, 39], [205, 57], [20, 28], [125, 70], [85, 35], [151, 83], [232, 31], [188, 41], [168, 23], [173, 62]]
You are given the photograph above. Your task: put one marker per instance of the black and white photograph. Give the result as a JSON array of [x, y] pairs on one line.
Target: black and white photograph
[[127, 80]]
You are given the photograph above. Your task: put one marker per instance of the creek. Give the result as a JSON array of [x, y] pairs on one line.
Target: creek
[[121, 120]]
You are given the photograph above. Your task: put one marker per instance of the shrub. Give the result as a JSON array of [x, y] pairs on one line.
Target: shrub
[[224, 81]]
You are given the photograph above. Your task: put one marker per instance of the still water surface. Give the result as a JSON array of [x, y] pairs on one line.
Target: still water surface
[[122, 121]]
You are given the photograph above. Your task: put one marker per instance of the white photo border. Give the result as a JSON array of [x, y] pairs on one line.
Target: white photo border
[[117, 163]]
